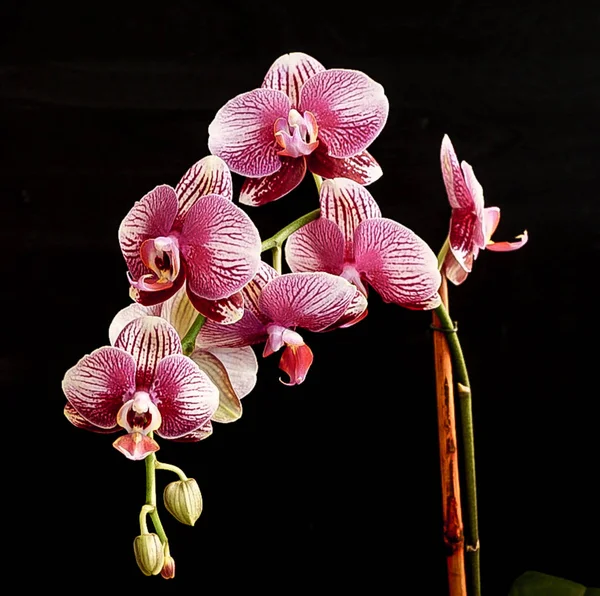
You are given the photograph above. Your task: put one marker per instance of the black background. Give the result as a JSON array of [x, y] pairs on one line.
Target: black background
[[332, 485]]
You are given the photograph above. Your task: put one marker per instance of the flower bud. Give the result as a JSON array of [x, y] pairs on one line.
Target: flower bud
[[183, 501], [149, 553], [168, 570]]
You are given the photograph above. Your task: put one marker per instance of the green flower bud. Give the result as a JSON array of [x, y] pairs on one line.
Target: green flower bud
[[168, 570], [183, 501], [149, 553]]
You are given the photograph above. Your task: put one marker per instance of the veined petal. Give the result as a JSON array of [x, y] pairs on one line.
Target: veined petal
[[456, 187], [209, 176], [289, 73], [230, 407], [197, 435], [148, 340], [150, 217], [453, 270], [260, 191], [317, 246], [225, 311], [361, 168], [242, 133], [247, 331], [241, 366], [154, 298], [350, 109], [253, 289], [76, 419], [356, 312], [347, 203], [221, 248], [128, 314], [309, 300], [185, 396], [465, 226], [98, 385], [179, 312], [396, 262], [475, 189]]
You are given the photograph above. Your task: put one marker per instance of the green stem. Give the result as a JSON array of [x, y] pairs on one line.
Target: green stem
[[318, 182], [189, 341], [443, 252], [277, 258], [280, 237], [466, 417], [150, 462], [171, 468]]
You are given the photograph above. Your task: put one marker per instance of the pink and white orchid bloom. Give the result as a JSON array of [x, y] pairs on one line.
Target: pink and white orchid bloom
[[352, 240], [302, 117], [192, 233], [276, 305], [141, 384], [471, 225], [232, 370]]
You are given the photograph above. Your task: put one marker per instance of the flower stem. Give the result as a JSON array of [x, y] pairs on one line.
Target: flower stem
[[318, 182], [189, 341], [443, 252], [171, 468], [277, 258], [280, 237], [150, 462], [468, 444]]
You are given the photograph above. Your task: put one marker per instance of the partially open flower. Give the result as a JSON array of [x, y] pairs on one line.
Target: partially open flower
[[142, 384]]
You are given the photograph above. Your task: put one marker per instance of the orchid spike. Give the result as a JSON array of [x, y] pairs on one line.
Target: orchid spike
[[232, 370], [471, 225], [352, 240], [141, 384], [303, 116], [276, 305], [194, 234]]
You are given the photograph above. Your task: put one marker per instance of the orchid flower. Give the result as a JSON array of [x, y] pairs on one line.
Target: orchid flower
[[192, 233], [471, 225], [352, 240], [276, 305], [141, 384], [232, 370], [302, 117]]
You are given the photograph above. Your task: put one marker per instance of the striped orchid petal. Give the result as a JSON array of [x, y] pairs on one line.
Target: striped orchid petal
[[230, 406], [150, 217], [463, 224], [225, 311], [361, 168], [247, 331], [260, 191], [350, 109], [241, 366], [459, 194], [198, 435], [221, 247], [98, 384], [186, 396], [254, 288], [396, 262], [148, 340], [317, 246], [289, 73], [347, 204], [453, 270], [209, 176], [128, 314], [242, 132], [354, 313], [309, 300], [76, 419]]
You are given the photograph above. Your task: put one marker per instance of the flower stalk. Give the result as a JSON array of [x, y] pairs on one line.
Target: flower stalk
[[189, 341], [280, 237], [150, 462]]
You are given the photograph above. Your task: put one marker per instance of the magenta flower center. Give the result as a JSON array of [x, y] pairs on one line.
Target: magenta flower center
[[161, 256], [297, 136], [139, 414]]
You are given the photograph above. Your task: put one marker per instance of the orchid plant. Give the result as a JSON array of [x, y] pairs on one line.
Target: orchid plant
[[180, 356]]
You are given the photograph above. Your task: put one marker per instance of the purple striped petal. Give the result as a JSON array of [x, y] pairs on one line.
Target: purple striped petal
[[347, 203], [76, 419], [260, 191], [148, 340], [209, 176], [350, 108], [241, 366], [456, 187], [309, 300], [317, 246], [463, 226], [126, 315], [221, 248], [289, 73], [247, 331], [453, 270], [254, 288], [396, 262], [198, 435], [150, 217], [356, 312], [243, 133], [225, 311], [361, 168], [230, 407], [98, 385], [185, 396]]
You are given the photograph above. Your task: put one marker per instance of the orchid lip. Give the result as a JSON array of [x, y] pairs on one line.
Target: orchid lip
[[280, 336], [161, 256], [297, 136], [139, 414]]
